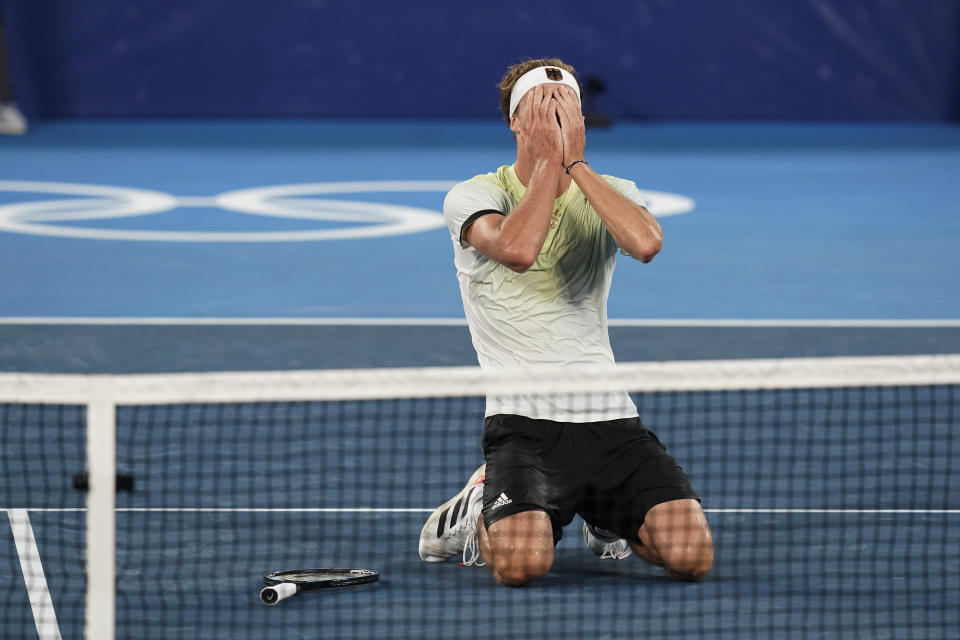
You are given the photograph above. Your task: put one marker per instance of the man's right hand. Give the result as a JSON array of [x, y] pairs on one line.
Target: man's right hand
[[515, 240], [539, 127]]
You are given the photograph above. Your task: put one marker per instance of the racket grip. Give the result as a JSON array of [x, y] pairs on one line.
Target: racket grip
[[273, 594]]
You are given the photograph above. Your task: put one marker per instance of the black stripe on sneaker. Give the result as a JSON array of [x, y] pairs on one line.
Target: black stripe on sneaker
[[443, 523], [473, 489], [466, 502], [456, 512]]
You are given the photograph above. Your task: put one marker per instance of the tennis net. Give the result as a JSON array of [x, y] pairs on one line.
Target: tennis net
[[151, 506]]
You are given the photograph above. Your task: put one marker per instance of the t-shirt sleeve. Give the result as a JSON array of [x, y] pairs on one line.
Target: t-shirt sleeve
[[627, 188], [469, 201]]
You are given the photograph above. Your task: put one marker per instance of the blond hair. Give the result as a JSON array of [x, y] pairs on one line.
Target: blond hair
[[515, 71]]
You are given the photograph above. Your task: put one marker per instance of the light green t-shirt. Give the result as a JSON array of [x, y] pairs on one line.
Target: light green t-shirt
[[553, 314]]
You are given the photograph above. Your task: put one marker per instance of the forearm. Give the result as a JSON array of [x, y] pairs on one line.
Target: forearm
[[515, 240], [523, 232], [635, 230]]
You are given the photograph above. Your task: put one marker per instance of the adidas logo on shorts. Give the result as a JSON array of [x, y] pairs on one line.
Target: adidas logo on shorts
[[501, 501]]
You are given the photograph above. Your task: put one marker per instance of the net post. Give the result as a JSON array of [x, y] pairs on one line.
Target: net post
[[101, 517]]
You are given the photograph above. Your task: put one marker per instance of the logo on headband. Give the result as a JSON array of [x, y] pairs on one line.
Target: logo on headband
[[554, 74]]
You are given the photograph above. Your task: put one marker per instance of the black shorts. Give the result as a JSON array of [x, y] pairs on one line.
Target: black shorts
[[610, 473]]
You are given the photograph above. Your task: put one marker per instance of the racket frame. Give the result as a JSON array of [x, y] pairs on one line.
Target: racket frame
[[271, 595]]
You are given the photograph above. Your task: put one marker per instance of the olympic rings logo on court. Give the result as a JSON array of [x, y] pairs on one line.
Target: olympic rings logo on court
[[294, 201]]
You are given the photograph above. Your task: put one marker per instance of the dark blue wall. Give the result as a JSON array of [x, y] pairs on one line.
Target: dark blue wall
[[700, 59]]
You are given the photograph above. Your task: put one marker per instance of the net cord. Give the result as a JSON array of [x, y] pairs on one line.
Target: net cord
[[166, 321], [438, 382]]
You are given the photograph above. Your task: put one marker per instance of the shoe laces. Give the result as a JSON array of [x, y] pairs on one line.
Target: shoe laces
[[616, 550], [471, 551]]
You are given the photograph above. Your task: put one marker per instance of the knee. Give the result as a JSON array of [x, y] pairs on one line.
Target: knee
[[515, 565], [519, 548], [518, 574], [678, 533], [691, 563]]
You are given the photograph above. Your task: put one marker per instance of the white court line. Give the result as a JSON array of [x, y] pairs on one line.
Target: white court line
[[40, 602], [196, 201], [368, 322], [458, 322], [430, 509], [786, 322]]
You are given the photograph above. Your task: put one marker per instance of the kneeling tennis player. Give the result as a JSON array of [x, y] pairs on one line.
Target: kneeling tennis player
[[534, 245]]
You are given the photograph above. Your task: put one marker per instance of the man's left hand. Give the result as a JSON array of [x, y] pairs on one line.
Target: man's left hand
[[572, 127]]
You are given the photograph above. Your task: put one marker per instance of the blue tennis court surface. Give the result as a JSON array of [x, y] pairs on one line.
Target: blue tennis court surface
[[789, 221], [131, 247]]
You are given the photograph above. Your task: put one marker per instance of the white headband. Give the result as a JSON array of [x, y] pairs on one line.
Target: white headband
[[540, 75]]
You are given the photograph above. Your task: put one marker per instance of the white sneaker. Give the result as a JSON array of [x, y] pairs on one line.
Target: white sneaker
[[452, 527], [605, 544], [12, 122]]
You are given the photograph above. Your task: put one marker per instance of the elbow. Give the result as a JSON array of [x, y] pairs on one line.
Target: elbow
[[519, 265], [517, 260], [650, 251], [646, 251]]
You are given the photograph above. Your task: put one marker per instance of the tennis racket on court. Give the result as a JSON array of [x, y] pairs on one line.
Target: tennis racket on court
[[283, 584]]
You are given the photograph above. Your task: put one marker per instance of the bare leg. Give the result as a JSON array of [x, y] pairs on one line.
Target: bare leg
[[518, 549], [676, 536]]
